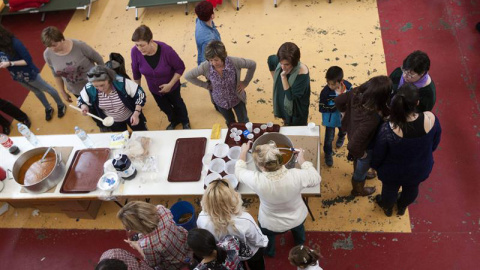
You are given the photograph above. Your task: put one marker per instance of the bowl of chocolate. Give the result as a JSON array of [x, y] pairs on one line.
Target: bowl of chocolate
[[36, 175]]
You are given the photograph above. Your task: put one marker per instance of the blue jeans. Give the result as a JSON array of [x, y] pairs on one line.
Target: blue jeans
[[38, 86], [297, 232], [361, 167], [328, 140], [240, 110]]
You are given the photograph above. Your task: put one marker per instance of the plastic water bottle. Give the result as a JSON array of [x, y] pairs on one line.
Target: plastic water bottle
[[87, 141], [25, 131]]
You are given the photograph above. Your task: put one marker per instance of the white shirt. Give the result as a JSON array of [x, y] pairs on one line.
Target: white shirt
[[281, 205], [248, 230], [311, 267]]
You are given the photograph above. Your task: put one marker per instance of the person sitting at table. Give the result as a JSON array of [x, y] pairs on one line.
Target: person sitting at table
[[162, 244], [222, 214], [12, 110], [162, 68], [279, 189], [120, 259], [221, 255], [108, 94], [223, 75]]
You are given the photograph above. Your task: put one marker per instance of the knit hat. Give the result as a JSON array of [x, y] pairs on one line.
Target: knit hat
[[204, 10]]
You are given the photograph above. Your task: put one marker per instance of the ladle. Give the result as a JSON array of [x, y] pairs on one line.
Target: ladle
[[108, 121], [44, 155]]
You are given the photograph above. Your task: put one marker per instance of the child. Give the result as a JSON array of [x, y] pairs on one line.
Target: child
[[331, 117], [304, 258]]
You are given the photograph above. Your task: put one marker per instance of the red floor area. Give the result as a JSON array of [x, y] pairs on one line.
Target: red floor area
[[28, 29], [446, 219]]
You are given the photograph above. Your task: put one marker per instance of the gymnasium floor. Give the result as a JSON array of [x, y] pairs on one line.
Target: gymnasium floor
[[366, 38]]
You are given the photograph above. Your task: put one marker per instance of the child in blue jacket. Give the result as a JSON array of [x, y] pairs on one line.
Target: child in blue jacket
[[331, 117]]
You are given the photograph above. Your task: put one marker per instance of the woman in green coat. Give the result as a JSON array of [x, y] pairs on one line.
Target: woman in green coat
[[291, 85]]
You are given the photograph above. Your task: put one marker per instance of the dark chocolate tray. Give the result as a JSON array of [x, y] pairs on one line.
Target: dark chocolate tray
[[187, 157]]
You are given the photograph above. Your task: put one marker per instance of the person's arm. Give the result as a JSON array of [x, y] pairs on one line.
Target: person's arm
[[341, 102], [248, 64], [299, 87], [322, 104], [137, 76], [308, 175], [193, 74], [135, 92], [380, 149], [426, 98], [166, 88], [254, 235], [135, 246], [272, 62], [438, 135], [91, 53]]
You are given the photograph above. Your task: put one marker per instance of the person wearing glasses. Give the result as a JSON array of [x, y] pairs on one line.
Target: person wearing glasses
[[162, 68], [279, 189], [108, 94], [415, 70], [223, 214]]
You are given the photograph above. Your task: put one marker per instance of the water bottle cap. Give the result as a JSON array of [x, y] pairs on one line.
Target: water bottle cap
[[76, 127]]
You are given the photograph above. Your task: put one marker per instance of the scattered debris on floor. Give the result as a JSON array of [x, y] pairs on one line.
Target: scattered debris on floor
[[35, 213]]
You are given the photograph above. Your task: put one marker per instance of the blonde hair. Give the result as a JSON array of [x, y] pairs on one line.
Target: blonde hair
[[267, 156], [139, 216], [221, 202], [302, 256]]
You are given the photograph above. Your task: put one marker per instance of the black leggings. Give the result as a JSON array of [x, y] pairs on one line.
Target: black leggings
[[256, 262], [390, 193]]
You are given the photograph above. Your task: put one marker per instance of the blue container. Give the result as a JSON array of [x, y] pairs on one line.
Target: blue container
[[180, 208]]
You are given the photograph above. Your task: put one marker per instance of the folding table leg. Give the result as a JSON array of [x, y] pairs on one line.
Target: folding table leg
[[43, 17], [305, 199], [89, 10], [136, 14], [238, 5], [186, 8], [275, 3], [119, 204]]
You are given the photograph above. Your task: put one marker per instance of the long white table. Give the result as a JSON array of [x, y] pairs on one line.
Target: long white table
[[145, 184]]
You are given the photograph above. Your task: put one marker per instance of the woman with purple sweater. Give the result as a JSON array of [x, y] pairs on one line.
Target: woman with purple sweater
[[162, 68]]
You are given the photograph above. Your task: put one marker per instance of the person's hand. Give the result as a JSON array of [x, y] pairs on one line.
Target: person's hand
[[84, 109], [134, 119], [66, 96], [4, 64], [300, 156], [245, 147], [241, 87], [284, 73], [165, 88]]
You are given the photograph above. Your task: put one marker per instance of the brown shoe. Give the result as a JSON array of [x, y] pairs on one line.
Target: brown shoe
[[359, 189]]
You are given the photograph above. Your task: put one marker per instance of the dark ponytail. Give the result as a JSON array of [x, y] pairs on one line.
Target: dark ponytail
[[6, 42], [403, 104], [221, 254]]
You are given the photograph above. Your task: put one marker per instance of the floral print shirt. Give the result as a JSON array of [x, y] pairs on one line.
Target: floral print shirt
[[224, 87]]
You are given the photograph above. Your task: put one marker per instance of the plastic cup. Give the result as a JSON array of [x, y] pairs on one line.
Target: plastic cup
[[232, 179], [233, 134], [270, 126], [234, 152], [217, 165], [221, 150], [207, 158], [230, 166], [212, 176], [239, 132], [250, 136], [237, 139], [311, 126], [249, 126], [263, 128], [233, 130], [256, 132]]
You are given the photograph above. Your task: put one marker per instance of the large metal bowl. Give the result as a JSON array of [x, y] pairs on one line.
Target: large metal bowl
[[52, 179], [279, 139]]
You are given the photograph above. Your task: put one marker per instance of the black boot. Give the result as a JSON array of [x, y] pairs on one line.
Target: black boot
[[388, 211]]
